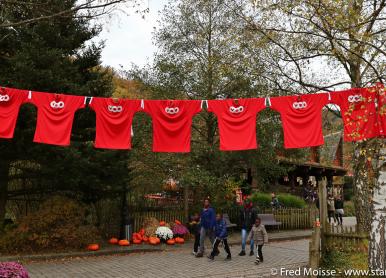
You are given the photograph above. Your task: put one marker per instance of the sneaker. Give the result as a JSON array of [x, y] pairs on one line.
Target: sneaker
[[228, 258], [251, 253], [199, 255], [242, 253], [257, 261], [211, 257], [194, 253]]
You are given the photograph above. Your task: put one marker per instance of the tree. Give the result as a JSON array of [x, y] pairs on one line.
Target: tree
[[51, 55], [347, 40], [43, 11], [201, 55]]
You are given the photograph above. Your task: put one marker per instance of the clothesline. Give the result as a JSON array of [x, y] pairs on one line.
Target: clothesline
[[363, 111]]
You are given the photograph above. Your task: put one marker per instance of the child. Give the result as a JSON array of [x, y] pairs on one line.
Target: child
[[195, 230], [221, 236], [259, 236]]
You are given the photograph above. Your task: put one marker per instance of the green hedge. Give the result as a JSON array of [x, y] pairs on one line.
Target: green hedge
[[263, 200]]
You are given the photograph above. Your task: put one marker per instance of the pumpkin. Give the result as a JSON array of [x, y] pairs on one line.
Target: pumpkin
[[145, 238], [93, 247], [170, 242], [113, 240], [162, 223], [137, 241], [179, 240], [142, 232], [153, 240], [158, 240], [123, 242], [178, 222]]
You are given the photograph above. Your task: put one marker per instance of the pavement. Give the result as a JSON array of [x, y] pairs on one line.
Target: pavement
[[177, 263]]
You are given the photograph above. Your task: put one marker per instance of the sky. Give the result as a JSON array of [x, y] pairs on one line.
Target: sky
[[128, 36]]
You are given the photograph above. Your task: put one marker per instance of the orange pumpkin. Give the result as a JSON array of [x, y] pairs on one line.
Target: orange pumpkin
[[153, 240], [162, 223], [137, 241], [142, 232], [178, 222], [179, 240], [113, 240], [170, 242], [123, 242], [145, 238], [93, 247], [158, 240]]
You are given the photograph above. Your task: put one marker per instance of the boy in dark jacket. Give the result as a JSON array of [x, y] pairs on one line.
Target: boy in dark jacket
[[195, 230], [221, 236]]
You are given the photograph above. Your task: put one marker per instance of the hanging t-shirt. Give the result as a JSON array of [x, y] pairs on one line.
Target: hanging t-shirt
[[237, 122], [301, 118], [113, 122], [172, 123], [10, 102], [381, 95], [357, 107], [55, 117]]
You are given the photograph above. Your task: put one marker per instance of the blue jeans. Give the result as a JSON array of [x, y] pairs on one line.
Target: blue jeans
[[204, 233], [244, 235]]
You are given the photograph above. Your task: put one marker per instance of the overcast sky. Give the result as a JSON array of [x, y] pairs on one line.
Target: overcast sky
[[128, 37]]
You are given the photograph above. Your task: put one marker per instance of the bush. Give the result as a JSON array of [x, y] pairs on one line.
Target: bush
[[58, 225], [12, 270], [341, 261], [263, 200], [349, 208], [291, 201]]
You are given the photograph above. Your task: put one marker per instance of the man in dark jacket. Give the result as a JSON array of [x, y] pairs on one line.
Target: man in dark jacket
[[247, 218], [208, 224], [221, 236]]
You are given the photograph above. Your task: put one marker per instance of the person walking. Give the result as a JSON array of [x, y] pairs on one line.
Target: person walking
[[339, 211], [208, 224], [247, 219], [221, 236], [274, 201], [331, 208], [260, 236], [194, 226]]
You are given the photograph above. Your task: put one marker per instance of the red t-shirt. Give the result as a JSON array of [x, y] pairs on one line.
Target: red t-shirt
[[172, 123], [301, 118], [381, 95], [55, 117], [113, 122], [10, 102], [357, 107], [237, 122]]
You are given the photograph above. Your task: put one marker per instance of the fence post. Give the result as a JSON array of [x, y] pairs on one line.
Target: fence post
[[315, 248]]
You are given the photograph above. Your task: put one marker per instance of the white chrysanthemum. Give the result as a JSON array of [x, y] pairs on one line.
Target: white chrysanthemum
[[164, 233]]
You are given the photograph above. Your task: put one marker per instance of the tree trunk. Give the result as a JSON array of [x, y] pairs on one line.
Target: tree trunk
[[363, 183], [4, 178], [377, 254], [186, 203]]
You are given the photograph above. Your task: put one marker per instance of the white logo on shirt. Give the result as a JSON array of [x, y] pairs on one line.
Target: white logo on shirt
[[236, 110], [172, 110], [354, 98], [4, 98], [57, 105], [299, 105], [115, 109]]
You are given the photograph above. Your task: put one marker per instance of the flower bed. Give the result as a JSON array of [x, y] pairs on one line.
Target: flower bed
[[13, 270]]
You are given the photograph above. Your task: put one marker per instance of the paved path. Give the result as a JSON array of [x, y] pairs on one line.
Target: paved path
[[178, 263]]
